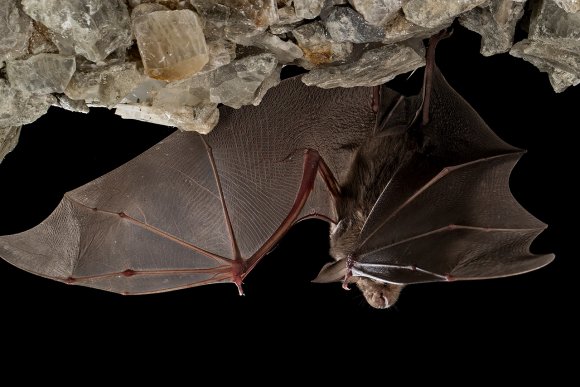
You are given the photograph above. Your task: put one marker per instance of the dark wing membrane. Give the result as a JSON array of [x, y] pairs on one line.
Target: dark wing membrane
[[448, 212], [182, 213]]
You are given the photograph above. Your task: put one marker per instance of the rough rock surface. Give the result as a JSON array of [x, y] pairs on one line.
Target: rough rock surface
[[172, 62]]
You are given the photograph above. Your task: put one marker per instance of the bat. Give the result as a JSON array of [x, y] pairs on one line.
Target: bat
[[416, 189]]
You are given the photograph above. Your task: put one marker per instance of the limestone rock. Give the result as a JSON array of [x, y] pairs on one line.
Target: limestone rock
[[93, 28], [200, 119], [15, 30], [400, 29], [239, 83], [41, 74], [571, 6], [20, 108], [285, 51], [171, 43], [378, 12], [551, 24], [317, 45], [8, 140], [77, 106], [375, 67], [104, 85], [431, 13], [346, 25], [496, 23], [562, 66], [308, 9]]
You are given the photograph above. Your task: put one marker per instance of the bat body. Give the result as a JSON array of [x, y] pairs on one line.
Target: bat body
[[409, 201]]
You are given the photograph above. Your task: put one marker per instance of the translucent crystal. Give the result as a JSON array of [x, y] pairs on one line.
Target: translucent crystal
[[346, 25], [200, 119], [496, 23], [285, 51], [15, 30], [93, 28], [171, 43], [317, 45], [431, 13], [41, 74], [8, 140], [239, 83], [72, 105], [377, 12], [104, 85], [375, 67]]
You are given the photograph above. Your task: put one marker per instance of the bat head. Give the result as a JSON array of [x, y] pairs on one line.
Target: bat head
[[343, 241]]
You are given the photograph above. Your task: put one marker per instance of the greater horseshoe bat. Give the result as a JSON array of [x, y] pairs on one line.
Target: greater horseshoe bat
[[416, 189]]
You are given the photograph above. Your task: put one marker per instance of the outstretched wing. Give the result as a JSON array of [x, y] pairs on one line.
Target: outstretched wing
[[195, 210], [448, 213]]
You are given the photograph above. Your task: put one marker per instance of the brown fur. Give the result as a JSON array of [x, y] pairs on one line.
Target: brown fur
[[374, 165]]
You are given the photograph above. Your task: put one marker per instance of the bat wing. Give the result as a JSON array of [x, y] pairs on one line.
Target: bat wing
[[195, 210], [448, 213]]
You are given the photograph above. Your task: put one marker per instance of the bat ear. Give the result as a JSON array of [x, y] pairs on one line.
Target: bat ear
[[331, 272]]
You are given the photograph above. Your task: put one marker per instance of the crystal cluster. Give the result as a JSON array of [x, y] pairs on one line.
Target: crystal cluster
[[172, 62]]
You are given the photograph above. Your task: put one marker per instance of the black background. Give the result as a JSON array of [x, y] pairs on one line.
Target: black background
[[523, 315]]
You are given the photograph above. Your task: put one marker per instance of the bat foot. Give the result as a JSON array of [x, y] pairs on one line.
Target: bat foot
[[238, 282]]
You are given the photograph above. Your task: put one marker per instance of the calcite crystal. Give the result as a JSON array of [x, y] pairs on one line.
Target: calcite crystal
[[377, 12], [346, 25], [171, 43], [19, 107], [431, 13], [8, 140], [496, 23], [172, 62], [571, 6], [318, 46], [375, 67], [553, 45], [92, 28], [41, 74], [15, 30]]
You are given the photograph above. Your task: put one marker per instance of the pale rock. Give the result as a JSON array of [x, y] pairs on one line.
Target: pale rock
[[496, 23], [189, 92], [171, 43], [145, 8], [221, 52], [200, 119], [346, 25], [41, 41], [214, 17], [551, 24], [238, 17], [281, 29], [285, 51], [15, 30], [8, 140], [41, 74], [562, 66], [93, 28], [104, 85], [374, 67], [400, 29], [308, 9], [378, 12], [318, 47], [20, 108], [269, 82], [77, 106], [570, 6], [239, 83], [144, 92], [431, 13]]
